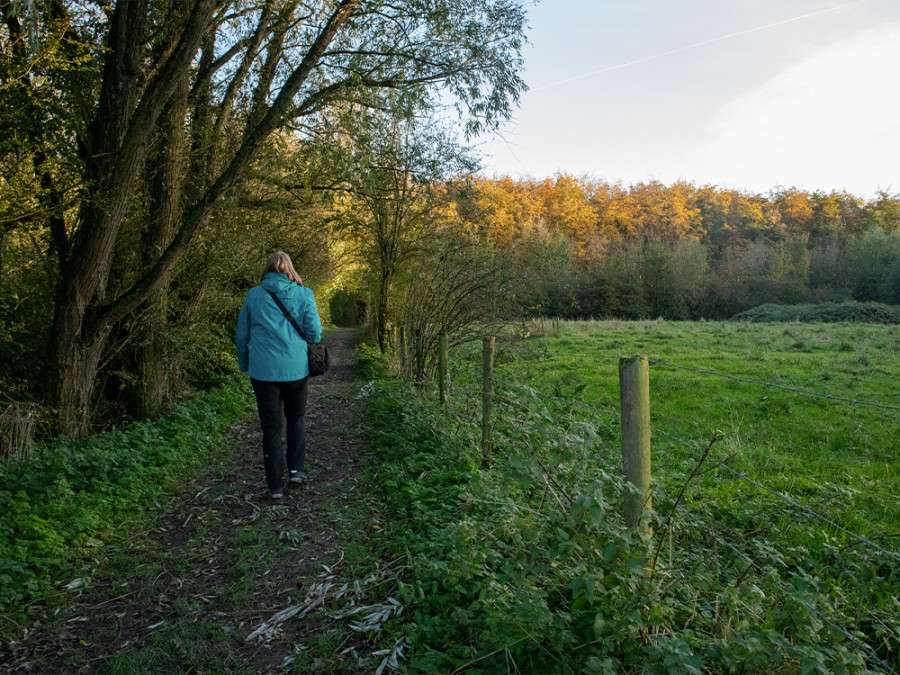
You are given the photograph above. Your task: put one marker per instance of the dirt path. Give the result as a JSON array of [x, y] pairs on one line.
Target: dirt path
[[230, 581]]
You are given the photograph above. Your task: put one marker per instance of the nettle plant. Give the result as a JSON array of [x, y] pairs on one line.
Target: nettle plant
[[528, 562]]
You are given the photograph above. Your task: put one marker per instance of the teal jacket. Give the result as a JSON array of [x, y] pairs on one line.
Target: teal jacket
[[268, 347]]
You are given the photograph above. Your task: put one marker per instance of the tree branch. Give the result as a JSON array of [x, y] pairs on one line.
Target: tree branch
[[252, 142]]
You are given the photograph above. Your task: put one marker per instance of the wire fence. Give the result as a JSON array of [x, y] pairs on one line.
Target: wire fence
[[706, 371], [722, 465], [526, 398], [794, 504]]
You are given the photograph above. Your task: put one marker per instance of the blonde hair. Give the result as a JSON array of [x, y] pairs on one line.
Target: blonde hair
[[281, 262]]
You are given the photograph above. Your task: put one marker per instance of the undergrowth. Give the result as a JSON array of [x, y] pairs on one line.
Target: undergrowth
[[69, 497], [524, 564]]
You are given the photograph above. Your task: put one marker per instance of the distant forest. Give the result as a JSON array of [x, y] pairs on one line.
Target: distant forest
[[588, 248], [465, 254]]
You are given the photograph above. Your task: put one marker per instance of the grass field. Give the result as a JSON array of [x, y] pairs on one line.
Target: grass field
[[781, 556], [839, 458]]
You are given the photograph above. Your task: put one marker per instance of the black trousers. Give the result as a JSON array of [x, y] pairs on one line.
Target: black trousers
[[276, 401]]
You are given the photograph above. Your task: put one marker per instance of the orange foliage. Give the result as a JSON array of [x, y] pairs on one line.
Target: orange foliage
[[591, 213], [667, 213], [567, 209], [796, 211], [503, 208]]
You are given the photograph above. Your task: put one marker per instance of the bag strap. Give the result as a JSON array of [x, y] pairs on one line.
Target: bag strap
[[288, 315]]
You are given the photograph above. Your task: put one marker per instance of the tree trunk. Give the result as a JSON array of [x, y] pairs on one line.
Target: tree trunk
[[75, 362], [151, 361], [382, 311]]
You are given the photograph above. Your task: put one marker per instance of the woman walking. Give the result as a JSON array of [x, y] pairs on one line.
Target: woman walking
[[271, 351]]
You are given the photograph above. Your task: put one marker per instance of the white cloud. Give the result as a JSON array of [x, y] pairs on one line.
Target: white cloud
[[830, 122]]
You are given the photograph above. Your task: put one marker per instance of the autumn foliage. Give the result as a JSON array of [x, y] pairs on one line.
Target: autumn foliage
[[589, 248]]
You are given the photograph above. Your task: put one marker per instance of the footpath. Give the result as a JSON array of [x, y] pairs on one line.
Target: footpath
[[229, 580]]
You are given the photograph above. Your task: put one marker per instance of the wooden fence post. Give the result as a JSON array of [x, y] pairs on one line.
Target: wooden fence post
[[634, 388], [487, 394], [442, 368]]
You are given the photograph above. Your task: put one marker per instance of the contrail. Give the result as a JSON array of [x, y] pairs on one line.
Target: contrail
[[696, 44]]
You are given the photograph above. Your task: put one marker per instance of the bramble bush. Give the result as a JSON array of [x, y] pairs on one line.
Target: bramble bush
[[70, 496]]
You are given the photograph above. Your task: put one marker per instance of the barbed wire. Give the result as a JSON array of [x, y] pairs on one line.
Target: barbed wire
[[547, 352], [587, 406], [809, 511], [551, 397], [713, 533], [692, 446]]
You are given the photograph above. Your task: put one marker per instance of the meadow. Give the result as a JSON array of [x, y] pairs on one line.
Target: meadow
[[779, 553], [840, 458]]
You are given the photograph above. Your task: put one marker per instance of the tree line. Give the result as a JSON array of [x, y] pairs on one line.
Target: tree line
[[599, 249]]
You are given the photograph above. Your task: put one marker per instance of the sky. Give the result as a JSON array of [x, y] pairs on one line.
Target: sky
[[753, 95]]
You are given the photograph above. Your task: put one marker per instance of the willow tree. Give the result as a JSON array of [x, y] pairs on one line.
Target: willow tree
[[249, 68]]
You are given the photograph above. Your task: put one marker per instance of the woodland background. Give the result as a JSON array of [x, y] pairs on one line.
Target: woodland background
[[153, 155]]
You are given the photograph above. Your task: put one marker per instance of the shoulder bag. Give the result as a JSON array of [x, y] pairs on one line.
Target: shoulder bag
[[316, 351]]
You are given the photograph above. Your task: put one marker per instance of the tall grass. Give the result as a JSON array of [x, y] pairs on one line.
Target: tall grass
[[17, 427]]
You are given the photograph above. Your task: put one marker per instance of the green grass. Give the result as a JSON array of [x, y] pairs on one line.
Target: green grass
[[70, 498], [524, 562], [838, 458]]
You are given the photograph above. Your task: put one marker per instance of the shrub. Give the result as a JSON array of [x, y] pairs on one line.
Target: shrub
[[526, 565], [348, 309]]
